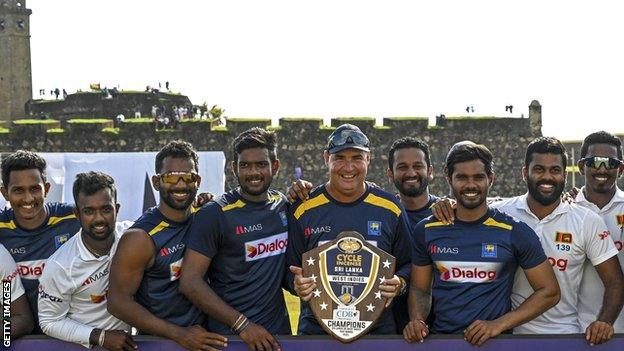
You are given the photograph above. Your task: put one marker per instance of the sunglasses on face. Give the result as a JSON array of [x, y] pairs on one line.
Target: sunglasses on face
[[349, 137], [174, 177], [597, 162]]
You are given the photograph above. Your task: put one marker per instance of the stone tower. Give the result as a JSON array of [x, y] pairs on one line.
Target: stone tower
[[15, 70]]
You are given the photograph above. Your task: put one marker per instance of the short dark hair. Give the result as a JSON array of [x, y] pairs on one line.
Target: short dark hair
[[176, 149], [21, 160], [255, 138], [407, 143], [545, 145], [468, 151], [91, 182], [601, 137]]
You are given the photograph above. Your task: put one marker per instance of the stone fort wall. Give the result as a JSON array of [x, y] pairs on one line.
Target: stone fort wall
[[301, 142]]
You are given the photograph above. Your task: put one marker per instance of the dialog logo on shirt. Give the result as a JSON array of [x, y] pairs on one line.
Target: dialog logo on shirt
[[31, 269], [266, 247], [565, 238], [468, 272], [175, 269]]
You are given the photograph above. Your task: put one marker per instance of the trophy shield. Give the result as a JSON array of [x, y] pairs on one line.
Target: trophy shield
[[347, 271]]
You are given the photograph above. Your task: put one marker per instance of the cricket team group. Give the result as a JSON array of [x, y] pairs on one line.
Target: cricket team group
[[546, 262]]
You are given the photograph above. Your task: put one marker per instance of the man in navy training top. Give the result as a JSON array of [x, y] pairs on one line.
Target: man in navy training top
[[240, 240], [31, 230], [346, 202], [410, 171], [472, 262], [145, 271]]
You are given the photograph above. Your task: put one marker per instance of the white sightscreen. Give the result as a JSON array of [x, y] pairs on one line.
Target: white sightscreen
[[131, 171]]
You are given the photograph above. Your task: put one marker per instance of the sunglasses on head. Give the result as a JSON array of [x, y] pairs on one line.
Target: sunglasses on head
[[174, 177], [597, 162], [348, 137]]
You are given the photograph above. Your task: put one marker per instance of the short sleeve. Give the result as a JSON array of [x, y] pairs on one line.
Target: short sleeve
[[10, 273], [599, 245], [205, 230], [420, 256], [401, 248], [527, 247]]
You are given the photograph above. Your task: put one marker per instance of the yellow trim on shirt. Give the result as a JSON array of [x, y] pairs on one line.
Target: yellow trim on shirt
[[162, 225], [310, 204], [493, 223], [55, 220], [7, 225], [384, 203], [435, 224], [237, 204]]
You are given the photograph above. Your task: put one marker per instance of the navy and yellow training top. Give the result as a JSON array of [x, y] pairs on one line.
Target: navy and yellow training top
[[474, 264], [377, 215], [247, 244], [158, 291], [31, 248]]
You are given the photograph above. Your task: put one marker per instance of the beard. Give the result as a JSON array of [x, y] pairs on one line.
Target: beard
[[545, 200], [470, 205], [89, 231], [167, 197], [411, 191], [253, 192]]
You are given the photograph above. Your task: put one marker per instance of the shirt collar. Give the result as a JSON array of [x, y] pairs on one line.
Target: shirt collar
[[87, 255], [523, 204], [617, 198]]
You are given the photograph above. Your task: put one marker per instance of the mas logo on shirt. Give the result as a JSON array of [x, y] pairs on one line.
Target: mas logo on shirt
[[240, 229], [60, 240], [488, 250], [374, 228], [283, 217], [266, 247], [175, 269], [564, 238]]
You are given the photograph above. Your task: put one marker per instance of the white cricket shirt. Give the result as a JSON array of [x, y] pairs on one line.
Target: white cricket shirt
[[570, 235], [9, 272], [72, 291], [592, 290]]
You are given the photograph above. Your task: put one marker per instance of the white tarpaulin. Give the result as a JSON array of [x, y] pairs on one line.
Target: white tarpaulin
[[131, 171]]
